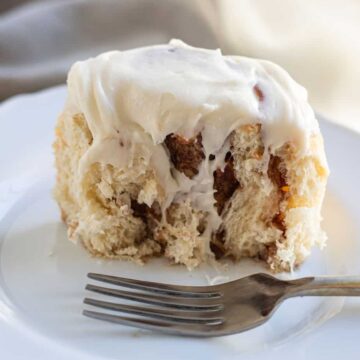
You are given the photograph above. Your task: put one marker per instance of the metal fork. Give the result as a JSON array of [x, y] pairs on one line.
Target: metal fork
[[207, 311]]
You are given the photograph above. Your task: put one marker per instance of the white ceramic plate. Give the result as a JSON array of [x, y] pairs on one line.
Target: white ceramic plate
[[42, 275]]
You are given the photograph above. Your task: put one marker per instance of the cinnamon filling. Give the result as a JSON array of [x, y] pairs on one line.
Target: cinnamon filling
[[277, 175], [149, 215], [185, 154], [217, 244], [278, 221], [268, 252], [225, 183], [258, 93]]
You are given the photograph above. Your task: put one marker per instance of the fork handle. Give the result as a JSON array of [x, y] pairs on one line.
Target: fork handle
[[325, 286]]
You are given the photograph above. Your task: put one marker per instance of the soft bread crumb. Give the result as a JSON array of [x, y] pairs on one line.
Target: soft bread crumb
[[274, 213]]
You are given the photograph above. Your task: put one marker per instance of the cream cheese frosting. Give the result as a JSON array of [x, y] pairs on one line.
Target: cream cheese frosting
[[133, 99]]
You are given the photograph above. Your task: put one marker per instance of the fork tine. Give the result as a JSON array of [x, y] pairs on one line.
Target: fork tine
[[176, 290], [178, 303], [165, 315], [161, 326]]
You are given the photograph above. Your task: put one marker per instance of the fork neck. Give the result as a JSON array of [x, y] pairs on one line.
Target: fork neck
[[324, 286]]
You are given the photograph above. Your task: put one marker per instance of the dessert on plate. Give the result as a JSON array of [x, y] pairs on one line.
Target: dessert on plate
[[182, 152]]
